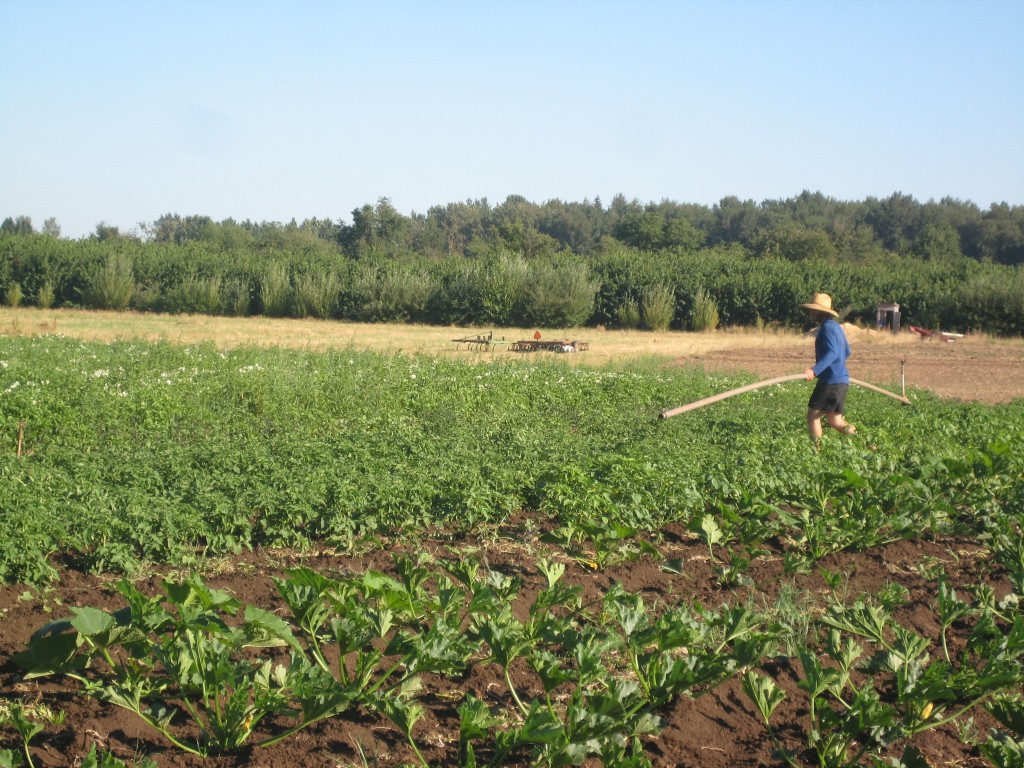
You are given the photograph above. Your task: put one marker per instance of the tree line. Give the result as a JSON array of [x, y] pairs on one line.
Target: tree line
[[557, 264]]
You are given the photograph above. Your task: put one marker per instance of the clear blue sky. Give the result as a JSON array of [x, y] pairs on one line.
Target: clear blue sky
[[123, 111]]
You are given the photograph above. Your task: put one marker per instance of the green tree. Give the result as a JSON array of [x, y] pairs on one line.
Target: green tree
[[19, 225], [619, 210], [378, 229], [488, 292], [106, 232], [111, 286], [559, 295], [576, 226], [627, 316], [859, 245], [172, 228], [681, 234], [735, 221], [794, 242], [1002, 234], [275, 290], [897, 221], [461, 223], [644, 230], [704, 315], [938, 242], [391, 292], [230, 236], [515, 228], [658, 307], [13, 296]]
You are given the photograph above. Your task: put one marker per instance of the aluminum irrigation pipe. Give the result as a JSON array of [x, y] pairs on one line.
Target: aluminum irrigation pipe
[[767, 382]]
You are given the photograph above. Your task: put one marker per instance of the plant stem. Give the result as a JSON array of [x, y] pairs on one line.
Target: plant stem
[[412, 743], [170, 737], [383, 678], [512, 690], [640, 678], [318, 654], [294, 729], [779, 748], [950, 718]]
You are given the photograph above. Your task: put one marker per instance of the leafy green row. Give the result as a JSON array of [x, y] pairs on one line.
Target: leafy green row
[[133, 452], [192, 660]]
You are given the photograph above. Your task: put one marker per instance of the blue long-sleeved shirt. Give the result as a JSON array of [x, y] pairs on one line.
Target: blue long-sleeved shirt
[[831, 349]]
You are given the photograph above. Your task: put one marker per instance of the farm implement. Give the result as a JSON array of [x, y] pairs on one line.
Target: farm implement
[[547, 345], [924, 333], [479, 342]]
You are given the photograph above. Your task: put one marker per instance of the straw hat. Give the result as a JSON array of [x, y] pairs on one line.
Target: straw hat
[[821, 302]]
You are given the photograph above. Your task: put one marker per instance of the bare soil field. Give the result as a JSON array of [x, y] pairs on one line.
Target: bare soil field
[[719, 729], [971, 368]]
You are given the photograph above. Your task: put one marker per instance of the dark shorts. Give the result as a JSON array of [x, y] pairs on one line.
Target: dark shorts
[[830, 398]]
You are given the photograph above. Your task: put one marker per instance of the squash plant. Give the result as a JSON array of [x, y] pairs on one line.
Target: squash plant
[[875, 683], [185, 657]]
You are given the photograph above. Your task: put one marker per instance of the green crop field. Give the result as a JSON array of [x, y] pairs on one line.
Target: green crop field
[[121, 459]]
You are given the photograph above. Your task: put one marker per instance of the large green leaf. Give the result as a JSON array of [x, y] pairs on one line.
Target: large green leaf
[[51, 654], [264, 629], [91, 621]]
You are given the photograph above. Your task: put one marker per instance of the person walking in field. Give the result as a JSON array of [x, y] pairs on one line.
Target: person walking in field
[[831, 349]]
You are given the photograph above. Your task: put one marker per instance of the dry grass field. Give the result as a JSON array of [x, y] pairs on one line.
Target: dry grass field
[[972, 368], [606, 347]]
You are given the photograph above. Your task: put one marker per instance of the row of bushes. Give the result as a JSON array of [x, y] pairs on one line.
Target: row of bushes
[[502, 290], [620, 287]]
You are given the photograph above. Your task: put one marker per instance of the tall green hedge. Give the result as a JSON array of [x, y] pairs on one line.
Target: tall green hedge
[[501, 287]]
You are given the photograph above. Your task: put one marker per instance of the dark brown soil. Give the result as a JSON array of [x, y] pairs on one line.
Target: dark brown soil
[[719, 729]]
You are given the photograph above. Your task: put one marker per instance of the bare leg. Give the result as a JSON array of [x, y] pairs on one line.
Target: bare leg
[[839, 424], [814, 424]]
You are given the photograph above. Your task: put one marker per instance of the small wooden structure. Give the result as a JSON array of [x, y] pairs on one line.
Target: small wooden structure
[[559, 345], [889, 317]]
